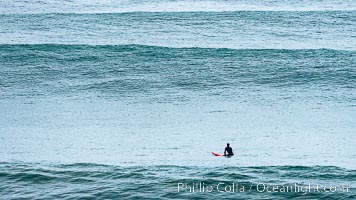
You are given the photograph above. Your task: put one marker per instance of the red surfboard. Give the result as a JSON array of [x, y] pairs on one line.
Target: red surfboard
[[216, 154]]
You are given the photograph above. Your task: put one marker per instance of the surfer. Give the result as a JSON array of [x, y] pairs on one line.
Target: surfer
[[228, 149]]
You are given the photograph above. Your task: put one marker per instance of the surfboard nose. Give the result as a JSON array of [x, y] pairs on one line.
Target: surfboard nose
[[215, 154]]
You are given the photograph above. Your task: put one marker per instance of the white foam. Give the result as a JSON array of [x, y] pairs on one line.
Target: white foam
[[122, 6]]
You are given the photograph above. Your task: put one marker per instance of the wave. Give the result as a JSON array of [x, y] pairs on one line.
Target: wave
[[125, 70], [124, 6], [237, 30], [52, 46], [86, 180]]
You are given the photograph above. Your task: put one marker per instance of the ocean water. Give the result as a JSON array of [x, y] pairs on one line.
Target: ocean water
[[127, 99]]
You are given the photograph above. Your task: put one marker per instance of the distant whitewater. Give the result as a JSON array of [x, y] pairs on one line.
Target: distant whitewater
[[125, 6]]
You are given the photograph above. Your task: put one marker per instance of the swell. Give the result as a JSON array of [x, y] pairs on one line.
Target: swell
[[188, 13], [54, 46], [126, 70], [237, 30], [109, 181]]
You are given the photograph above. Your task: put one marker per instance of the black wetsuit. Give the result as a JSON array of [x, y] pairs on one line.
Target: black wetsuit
[[229, 151]]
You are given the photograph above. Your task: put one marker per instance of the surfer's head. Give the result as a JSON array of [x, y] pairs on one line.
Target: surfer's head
[[228, 144]]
